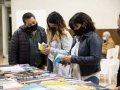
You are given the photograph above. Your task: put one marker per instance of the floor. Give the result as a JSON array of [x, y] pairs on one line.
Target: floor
[[3, 61], [103, 79], [105, 82]]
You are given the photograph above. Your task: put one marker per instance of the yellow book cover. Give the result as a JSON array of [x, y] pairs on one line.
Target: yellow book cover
[[55, 83]]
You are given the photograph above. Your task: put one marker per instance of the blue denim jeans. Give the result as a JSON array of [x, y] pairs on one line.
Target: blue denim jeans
[[50, 65], [93, 79]]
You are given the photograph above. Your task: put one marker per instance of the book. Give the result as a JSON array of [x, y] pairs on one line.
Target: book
[[67, 87], [11, 69], [55, 83], [34, 83], [9, 83], [42, 46], [34, 87], [59, 57]]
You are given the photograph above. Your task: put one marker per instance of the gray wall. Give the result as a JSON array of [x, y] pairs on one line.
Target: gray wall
[[103, 12], [1, 42]]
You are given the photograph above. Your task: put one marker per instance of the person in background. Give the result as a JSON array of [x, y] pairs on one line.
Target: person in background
[[118, 76], [108, 43], [23, 47], [59, 41], [85, 53]]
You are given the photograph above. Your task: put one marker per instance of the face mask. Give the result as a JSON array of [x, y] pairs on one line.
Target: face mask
[[53, 29], [33, 28], [80, 31], [104, 38]]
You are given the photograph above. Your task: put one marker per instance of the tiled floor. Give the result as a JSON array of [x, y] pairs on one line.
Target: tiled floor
[[103, 82]]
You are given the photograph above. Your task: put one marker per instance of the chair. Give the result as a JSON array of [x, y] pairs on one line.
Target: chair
[[117, 60], [109, 66]]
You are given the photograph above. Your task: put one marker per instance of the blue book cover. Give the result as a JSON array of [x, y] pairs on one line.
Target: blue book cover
[[59, 57], [34, 83]]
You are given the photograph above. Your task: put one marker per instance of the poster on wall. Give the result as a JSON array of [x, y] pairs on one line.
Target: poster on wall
[[40, 16]]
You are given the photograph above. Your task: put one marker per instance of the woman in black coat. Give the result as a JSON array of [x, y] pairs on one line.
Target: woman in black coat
[[85, 53]]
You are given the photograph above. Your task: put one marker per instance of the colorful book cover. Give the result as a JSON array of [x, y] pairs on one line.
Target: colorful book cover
[[59, 57], [34, 83]]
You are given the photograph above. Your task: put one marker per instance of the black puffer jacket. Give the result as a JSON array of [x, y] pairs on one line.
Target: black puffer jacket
[[19, 49]]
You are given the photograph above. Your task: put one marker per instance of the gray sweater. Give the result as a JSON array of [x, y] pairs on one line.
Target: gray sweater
[[62, 47]]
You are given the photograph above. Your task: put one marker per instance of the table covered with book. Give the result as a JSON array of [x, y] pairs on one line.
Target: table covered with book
[[25, 77]]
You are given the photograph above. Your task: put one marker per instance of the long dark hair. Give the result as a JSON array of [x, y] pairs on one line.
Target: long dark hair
[[81, 17], [56, 18]]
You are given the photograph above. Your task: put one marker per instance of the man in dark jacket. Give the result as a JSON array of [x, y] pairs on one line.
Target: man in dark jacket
[[118, 76], [23, 47]]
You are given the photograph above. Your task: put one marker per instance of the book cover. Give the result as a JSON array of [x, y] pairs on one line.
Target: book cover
[[59, 57]]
